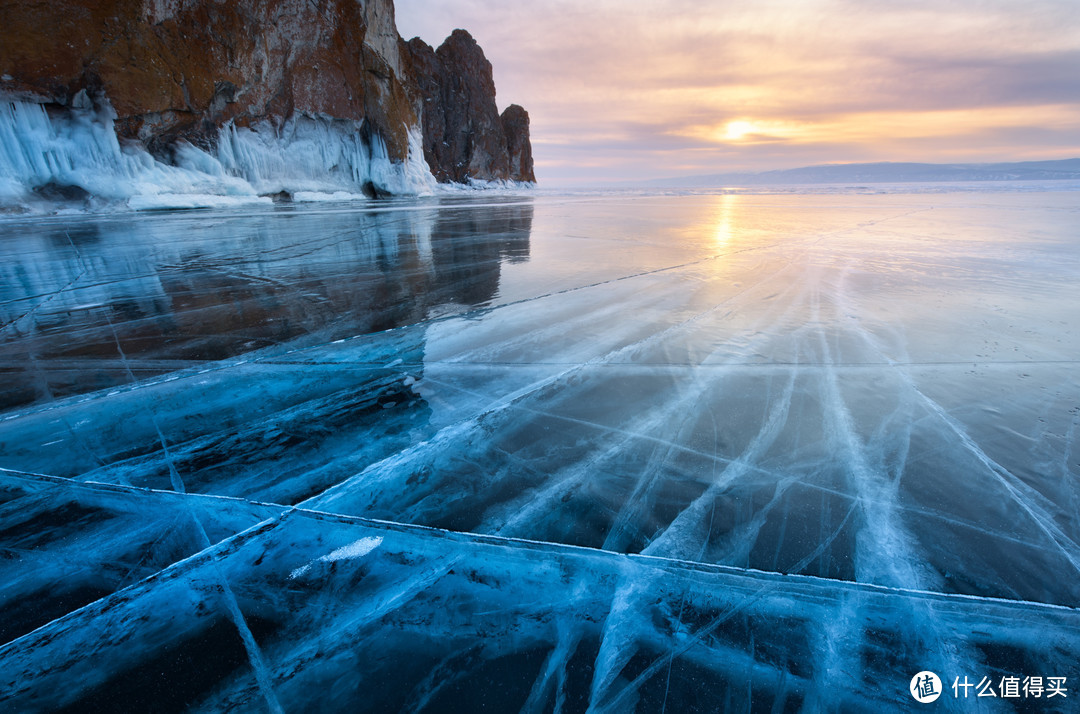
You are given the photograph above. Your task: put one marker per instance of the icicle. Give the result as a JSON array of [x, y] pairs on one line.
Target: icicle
[[315, 156]]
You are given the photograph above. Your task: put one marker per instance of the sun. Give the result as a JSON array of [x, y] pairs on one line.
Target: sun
[[736, 130]]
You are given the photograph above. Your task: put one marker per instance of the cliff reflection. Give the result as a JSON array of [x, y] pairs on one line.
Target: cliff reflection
[[91, 302]]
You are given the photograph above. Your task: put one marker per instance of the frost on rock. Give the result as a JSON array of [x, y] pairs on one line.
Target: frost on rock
[[78, 150], [701, 453]]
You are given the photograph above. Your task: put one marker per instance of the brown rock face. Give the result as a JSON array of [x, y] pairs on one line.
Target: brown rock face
[[426, 71], [181, 69], [515, 123], [464, 136]]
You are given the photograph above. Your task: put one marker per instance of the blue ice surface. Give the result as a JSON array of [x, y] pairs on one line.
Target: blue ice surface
[[562, 452]]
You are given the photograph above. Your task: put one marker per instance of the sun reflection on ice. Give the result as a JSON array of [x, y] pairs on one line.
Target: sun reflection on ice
[[725, 220]]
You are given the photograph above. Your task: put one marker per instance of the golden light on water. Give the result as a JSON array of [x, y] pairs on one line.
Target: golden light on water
[[725, 220]]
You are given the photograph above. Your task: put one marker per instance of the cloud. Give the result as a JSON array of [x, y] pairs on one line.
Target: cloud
[[648, 86]]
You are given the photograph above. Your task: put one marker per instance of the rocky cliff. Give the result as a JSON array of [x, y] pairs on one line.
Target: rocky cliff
[[177, 71], [464, 135]]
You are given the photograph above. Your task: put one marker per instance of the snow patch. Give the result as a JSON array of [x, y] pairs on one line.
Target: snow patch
[[356, 549]]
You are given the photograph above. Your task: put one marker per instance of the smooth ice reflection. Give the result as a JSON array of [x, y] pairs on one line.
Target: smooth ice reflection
[[838, 430], [94, 302]]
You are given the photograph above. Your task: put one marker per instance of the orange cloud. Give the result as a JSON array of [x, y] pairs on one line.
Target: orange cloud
[[869, 127]]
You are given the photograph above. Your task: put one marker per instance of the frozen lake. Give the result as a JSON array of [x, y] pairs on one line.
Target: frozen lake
[[546, 452]]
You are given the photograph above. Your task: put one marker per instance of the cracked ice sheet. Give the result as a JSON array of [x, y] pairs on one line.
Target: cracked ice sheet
[[799, 442], [245, 411], [750, 410], [352, 615], [97, 301], [738, 466], [817, 401], [65, 544]]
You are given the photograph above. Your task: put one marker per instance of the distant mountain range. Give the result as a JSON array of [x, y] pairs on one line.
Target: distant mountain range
[[888, 172]]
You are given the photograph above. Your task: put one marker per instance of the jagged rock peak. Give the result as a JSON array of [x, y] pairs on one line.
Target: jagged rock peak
[[464, 135], [515, 124]]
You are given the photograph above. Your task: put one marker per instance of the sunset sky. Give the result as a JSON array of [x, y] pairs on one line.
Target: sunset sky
[[627, 89]]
